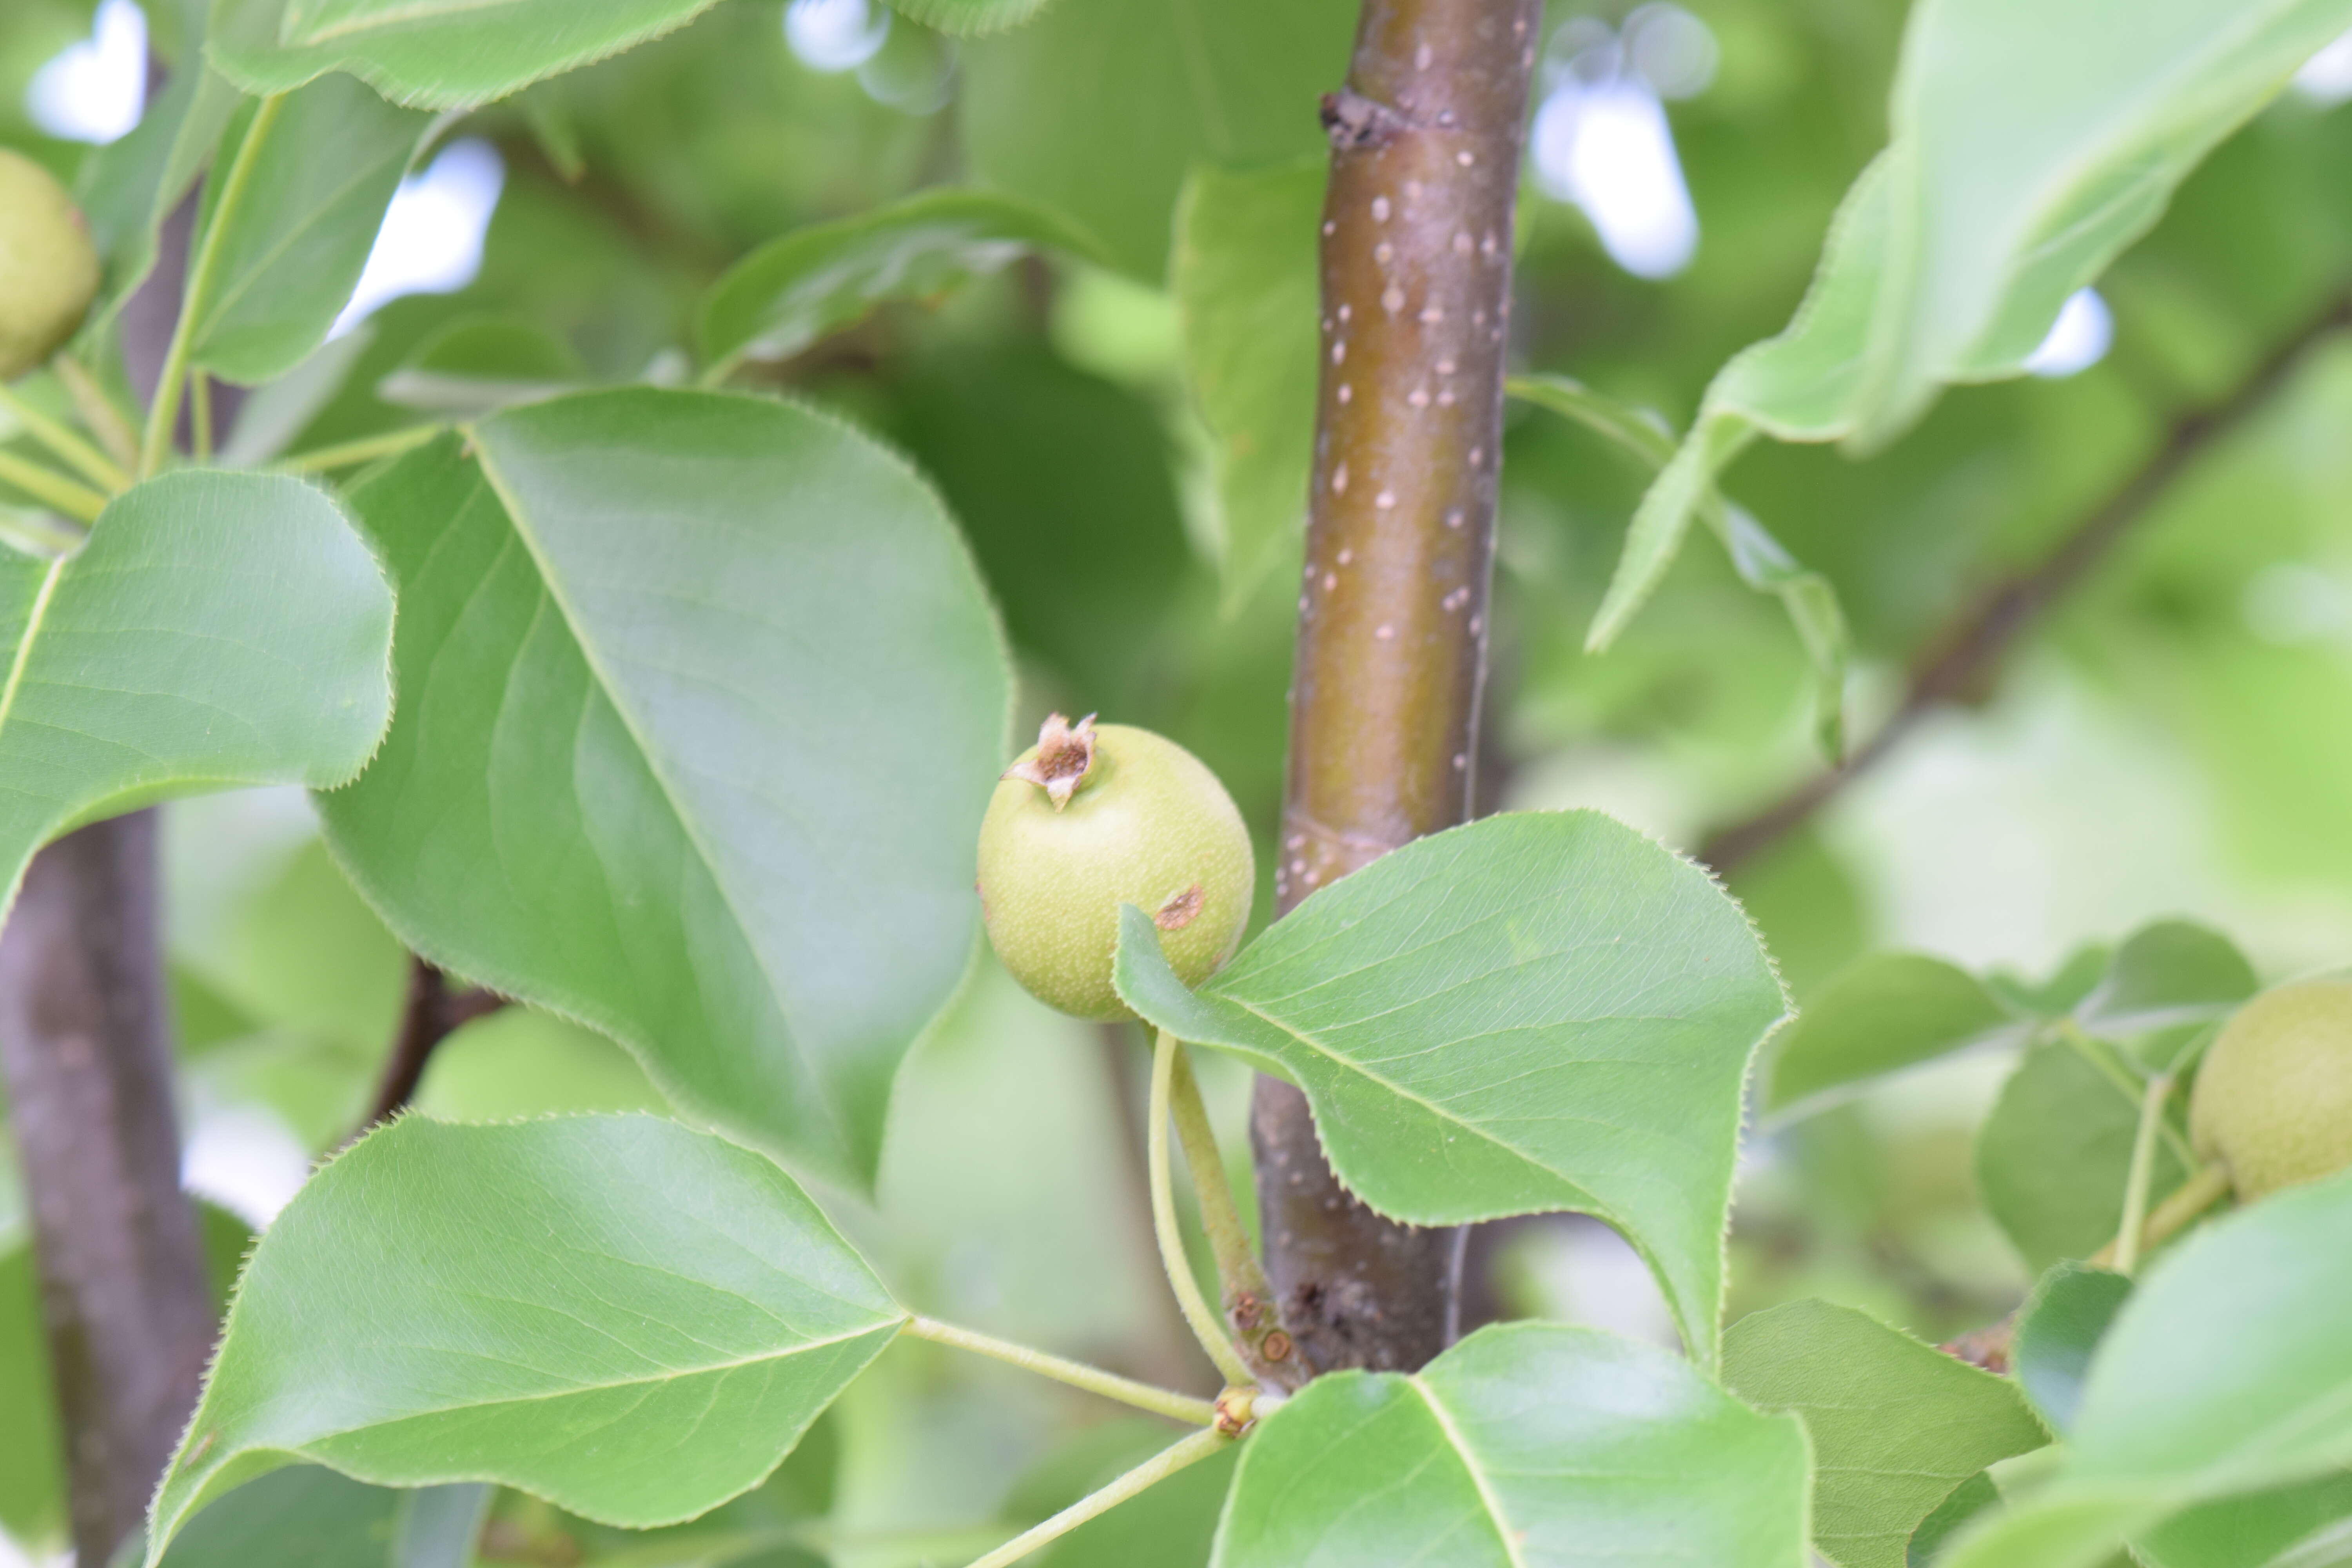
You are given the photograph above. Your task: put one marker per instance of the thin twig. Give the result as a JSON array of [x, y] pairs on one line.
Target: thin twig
[[1165, 1401], [88, 460], [434, 1013], [1962, 660], [1206, 1328]]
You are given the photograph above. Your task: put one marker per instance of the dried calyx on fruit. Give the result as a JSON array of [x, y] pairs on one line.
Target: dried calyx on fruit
[[48, 269], [2273, 1097], [1093, 817]]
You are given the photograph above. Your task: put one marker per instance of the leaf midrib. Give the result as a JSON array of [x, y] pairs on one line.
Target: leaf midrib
[[393, 17], [671, 795], [1311, 1043], [219, 308], [668, 1375], [1432, 1107], [24, 655], [1503, 1535]]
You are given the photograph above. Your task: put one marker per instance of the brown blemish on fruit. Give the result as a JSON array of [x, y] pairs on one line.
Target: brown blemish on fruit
[[1065, 753], [1180, 911], [1276, 1346]]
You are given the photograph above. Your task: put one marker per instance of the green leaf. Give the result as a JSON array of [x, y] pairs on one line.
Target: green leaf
[[2255, 1528], [701, 704], [969, 16], [1245, 276], [2057, 1332], [2228, 1372], [764, 1528], [2329, 1546], [1877, 1016], [1897, 1425], [215, 630], [438, 1527], [2164, 976], [1060, 481], [1760, 560], [129, 186], [275, 413], [306, 1517], [433, 56], [1541, 1011], [1526, 1446], [477, 365], [304, 952], [32, 1450], [2023, 160], [289, 216], [637, 1326], [795, 290], [1169, 85], [2053, 1156], [2058, 996], [1964, 1502]]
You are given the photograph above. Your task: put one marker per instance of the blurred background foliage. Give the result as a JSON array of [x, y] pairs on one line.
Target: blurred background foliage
[[2170, 738]]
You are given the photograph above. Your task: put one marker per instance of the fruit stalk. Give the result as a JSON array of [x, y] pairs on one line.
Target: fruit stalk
[[1416, 279], [1251, 1311], [1205, 1324]]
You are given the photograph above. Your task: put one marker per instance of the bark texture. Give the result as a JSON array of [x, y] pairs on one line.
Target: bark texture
[[1416, 273], [85, 1046]]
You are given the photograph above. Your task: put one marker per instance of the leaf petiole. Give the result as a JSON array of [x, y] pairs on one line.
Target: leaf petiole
[[366, 449], [2142, 1170], [2126, 1083], [53, 488], [88, 460], [100, 414], [1206, 1326], [1159, 1468], [1076, 1374], [164, 415], [2206, 1186]]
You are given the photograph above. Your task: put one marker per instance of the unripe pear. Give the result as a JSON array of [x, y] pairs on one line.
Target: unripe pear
[[48, 269], [2273, 1099], [1091, 818]]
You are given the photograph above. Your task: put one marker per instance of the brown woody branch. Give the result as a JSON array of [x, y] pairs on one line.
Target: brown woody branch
[[1416, 283], [85, 1043], [434, 1013], [85, 1046], [1960, 663]]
